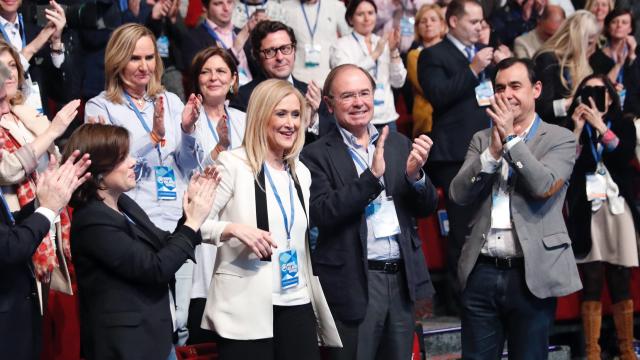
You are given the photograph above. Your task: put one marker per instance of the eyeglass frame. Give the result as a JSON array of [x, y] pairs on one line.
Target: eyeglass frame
[[353, 95], [276, 49]]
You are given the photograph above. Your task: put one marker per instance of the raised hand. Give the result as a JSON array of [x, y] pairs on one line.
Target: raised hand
[[158, 117], [223, 134], [313, 97], [57, 19], [418, 156], [64, 117], [495, 147], [378, 164], [482, 59], [501, 113], [96, 120], [190, 114], [56, 185], [198, 199]]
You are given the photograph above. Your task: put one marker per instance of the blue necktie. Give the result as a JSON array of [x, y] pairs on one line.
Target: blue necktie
[[124, 5], [470, 50]]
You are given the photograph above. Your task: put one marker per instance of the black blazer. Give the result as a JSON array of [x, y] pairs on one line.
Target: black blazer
[[449, 84], [338, 200], [618, 162], [327, 122], [20, 320], [124, 273], [602, 64], [547, 70]]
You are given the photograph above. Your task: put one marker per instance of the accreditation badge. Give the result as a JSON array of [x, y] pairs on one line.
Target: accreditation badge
[[165, 183], [484, 93], [288, 261], [312, 55]]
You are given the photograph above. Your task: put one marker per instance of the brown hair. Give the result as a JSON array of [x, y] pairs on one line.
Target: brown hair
[[19, 98], [201, 58], [120, 47], [423, 10], [107, 146]]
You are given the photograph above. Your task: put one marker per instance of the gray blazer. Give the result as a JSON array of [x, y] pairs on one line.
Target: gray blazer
[[542, 168]]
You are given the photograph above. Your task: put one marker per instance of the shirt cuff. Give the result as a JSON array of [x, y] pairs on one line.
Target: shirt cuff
[[57, 59], [559, 108], [489, 164], [315, 128], [511, 143], [24, 63], [48, 213], [420, 183]]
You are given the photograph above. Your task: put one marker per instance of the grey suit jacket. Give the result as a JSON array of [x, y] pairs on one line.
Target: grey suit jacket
[[542, 168]]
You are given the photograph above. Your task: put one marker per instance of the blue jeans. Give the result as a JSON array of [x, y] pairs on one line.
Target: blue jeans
[[497, 305]]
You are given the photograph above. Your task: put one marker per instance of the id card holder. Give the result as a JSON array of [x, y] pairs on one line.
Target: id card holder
[[163, 46], [383, 217], [596, 186], [33, 98], [500, 212], [312, 55], [288, 261], [165, 183], [378, 95], [406, 25], [484, 93]]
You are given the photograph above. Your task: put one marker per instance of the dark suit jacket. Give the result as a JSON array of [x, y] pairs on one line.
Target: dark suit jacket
[[20, 320], [602, 64], [327, 122], [547, 69], [54, 83], [449, 84], [338, 201], [124, 272]]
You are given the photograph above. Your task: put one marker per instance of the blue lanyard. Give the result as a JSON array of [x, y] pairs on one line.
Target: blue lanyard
[[533, 130], [597, 153], [6, 206], [315, 25], [620, 77], [287, 226], [144, 124], [213, 131], [24, 36], [215, 36], [246, 7], [375, 70]]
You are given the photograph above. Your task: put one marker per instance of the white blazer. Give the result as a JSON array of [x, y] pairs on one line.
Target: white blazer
[[239, 303]]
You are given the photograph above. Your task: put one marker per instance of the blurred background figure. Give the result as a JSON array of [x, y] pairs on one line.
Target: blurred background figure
[[527, 44]]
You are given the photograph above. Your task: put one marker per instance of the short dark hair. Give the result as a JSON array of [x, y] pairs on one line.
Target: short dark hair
[[353, 5], [615, 109], [264, 28], [509, 62], [616, 12], [457, 8], [201, 58], [107, 146], [328, 82]]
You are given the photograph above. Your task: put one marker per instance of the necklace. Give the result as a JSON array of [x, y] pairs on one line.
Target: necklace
[[139, 101]]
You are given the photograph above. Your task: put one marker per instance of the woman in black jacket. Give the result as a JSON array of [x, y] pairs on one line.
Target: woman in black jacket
[[602, 219], [125, 264]]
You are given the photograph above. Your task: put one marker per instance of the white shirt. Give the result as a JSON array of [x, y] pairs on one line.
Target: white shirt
[[351, 49], [241, 14], [331, 25], [501, 243], [15, 38], [299, 294]]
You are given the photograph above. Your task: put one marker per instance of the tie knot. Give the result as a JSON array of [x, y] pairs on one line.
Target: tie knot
[[470, 51]]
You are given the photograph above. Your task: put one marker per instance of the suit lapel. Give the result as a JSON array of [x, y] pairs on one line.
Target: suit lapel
[[453, 50], [339, 157], [262, 216], [143, 229]]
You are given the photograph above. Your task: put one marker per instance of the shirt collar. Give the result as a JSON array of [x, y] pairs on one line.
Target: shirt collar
[[4, 22], [351, 141], [215, 27], [526, 131], [457, 43]]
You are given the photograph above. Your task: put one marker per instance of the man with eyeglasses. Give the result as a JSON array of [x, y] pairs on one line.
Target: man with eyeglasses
[[274, 48], [367, 187]]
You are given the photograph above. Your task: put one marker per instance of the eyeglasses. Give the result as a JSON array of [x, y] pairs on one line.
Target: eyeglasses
[[350, 97], [284, 50]]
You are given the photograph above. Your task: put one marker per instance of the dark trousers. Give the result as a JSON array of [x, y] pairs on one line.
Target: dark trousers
[[386, 332], [441, 174], [497, 305], [198, 335], [294, 337]]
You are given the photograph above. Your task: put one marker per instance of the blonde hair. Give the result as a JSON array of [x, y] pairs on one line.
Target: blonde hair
[[570, 44], [423, 10], [264, 99], [119, 50], [19, 98], [589, 4]]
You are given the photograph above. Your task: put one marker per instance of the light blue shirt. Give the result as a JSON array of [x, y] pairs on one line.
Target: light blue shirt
[[383, 248], [179, 152], [207, 141]]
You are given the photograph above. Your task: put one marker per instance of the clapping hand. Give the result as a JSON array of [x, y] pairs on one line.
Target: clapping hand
[[190, 114], [418, 156], [198, 199], [378, 164], [56, 185]]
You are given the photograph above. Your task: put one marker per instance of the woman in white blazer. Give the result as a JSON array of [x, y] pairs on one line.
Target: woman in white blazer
[[262, 302], [378, 55]]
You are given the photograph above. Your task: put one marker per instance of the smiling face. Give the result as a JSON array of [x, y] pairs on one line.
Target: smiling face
[[9, 7], [430, 26], [513, 82], [215, 79], [141, 66], [352, 99], [600, 8], [620, 27], [11, 84], [122, 178], [364, 18], [283, 125]]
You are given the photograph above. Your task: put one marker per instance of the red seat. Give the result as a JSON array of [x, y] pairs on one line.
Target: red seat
[[206, 351]]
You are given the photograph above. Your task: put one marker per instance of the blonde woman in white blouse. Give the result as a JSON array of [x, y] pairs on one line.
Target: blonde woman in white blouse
[[378, 55]]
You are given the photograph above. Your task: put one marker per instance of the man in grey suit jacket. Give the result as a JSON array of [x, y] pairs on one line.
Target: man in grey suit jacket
[[518, 257]]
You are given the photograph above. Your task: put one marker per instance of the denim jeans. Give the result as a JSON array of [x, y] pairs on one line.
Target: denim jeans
[[497, 305]]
